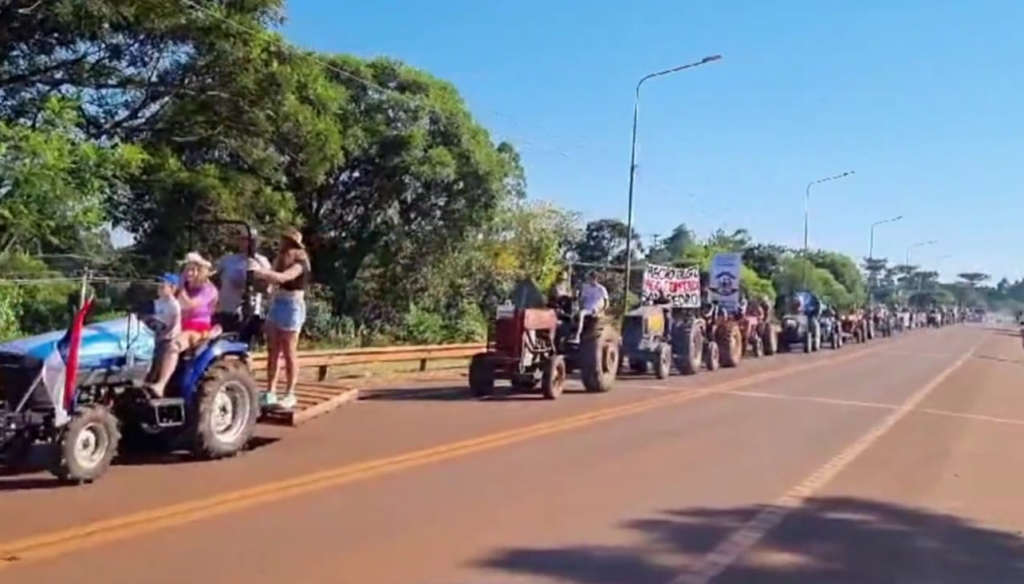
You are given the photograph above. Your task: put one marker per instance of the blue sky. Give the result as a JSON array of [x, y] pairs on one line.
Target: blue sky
[[923, 98]]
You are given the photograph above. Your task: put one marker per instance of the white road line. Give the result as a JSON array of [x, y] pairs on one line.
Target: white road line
[[977, 417], [844, 402], [811, 398], [742, 540]]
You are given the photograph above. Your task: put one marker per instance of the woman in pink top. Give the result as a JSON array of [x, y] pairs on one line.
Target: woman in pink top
[[198, 299]]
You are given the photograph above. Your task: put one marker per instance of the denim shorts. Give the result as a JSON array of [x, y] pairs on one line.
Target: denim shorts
[[287, 313]]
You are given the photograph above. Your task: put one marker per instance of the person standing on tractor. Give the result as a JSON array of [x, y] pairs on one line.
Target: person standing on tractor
[[198, 299], [593, 300], [231, 270], [290, 275]]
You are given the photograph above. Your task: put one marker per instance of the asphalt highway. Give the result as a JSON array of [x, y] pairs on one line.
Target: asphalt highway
[[897, 461]]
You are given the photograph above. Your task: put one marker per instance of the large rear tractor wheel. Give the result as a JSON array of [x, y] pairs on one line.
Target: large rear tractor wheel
[[88, 446], [688, 344], [226, 408], [599, 359], [757, 346], [711, 356], [730, 343], [552, 384], [481, 376], [663, 367], [770, 339]]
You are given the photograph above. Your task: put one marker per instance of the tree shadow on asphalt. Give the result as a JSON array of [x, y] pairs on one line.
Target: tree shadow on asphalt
[[30, 475], [834, 540]]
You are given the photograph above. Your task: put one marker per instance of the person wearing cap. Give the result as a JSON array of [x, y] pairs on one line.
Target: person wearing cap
[[166, 325], [289, 276], [231, 270], [198, 299]]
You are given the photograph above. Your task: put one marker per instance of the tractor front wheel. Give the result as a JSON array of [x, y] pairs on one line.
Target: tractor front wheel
[[553, 382], [88, 445], [599, 359], [481, 376]]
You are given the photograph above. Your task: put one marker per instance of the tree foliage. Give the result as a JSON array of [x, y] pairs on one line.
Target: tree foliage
[[156, 115]]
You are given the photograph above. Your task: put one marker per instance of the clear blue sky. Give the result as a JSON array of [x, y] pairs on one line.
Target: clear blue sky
[[923, 98]]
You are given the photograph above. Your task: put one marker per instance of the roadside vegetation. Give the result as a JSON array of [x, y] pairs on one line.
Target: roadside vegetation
[[147, 115]]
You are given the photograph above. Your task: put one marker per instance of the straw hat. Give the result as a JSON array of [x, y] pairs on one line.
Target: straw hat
[[194, 258], [294, 236]]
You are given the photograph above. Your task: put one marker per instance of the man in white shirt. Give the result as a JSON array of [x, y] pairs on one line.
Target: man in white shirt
[[231, 270], [593, 300]]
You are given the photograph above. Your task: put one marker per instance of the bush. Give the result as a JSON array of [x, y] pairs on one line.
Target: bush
[[10, 306], [424, 328]]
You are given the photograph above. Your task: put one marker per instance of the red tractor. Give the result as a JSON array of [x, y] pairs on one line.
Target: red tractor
[[535, 349], [757, 331], [522, 349]]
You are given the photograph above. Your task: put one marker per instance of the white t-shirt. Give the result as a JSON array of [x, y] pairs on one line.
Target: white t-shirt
[[593, 297], [232, 268], [168, 312]]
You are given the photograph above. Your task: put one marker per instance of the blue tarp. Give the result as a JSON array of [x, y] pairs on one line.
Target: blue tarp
[[101, 343], [809, 302]]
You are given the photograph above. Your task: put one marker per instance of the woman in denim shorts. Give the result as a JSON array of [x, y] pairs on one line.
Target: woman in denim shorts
[[290, 275]]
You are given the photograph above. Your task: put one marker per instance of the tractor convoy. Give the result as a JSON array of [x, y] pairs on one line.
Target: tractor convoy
[[682, 325], [79, 394]]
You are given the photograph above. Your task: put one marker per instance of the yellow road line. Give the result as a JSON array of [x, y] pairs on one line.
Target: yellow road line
[[33, 548]]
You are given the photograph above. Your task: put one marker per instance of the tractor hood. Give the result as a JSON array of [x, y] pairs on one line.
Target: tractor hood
[[101, 342]]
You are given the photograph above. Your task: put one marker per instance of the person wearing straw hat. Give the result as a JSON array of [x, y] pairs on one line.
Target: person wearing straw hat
[[289, 275], [197, 297]]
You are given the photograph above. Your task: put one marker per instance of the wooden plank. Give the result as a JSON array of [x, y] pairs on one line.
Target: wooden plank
[[311, 406], [323, 359]]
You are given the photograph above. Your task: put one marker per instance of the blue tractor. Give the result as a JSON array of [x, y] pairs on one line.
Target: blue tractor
[[801, 323], [80, 394]]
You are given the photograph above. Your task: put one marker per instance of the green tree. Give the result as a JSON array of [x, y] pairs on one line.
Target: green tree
[[765, 259], [844, 270], [53, 182]]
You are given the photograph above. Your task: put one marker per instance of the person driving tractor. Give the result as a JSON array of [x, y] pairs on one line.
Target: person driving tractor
[[560, 295], [593, 300]]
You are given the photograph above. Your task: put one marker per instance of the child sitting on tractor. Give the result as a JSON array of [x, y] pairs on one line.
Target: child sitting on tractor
[[165, 322]]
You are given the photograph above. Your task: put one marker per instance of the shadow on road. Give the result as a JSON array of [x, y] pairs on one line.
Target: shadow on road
[[32, 474], [834, 540], [999, 359], [449, 393]]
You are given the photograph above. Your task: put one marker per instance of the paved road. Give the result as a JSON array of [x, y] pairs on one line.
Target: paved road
[[898, 461]]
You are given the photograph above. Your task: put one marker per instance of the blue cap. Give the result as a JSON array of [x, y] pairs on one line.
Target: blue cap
[[172, 279]]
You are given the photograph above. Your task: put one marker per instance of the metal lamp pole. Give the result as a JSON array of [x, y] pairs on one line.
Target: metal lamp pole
[[871, 244], [871, 251], [807, 210], [632, 164], [907, 257], [807, 201], [915, 245]]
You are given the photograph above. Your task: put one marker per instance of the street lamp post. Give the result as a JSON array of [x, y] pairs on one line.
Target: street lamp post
[[915, 245], [907, 258], [807, 201], [871, 243], [807, 210], [632, 164], [871, 254]]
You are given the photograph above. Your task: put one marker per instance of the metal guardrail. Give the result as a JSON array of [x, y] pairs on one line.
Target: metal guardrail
[[325, 359]]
